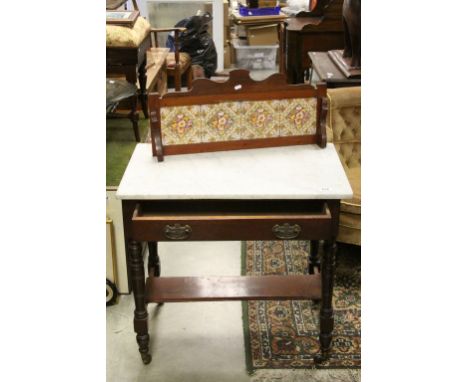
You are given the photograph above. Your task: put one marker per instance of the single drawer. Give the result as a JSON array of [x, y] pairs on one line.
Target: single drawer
[[232, 220]]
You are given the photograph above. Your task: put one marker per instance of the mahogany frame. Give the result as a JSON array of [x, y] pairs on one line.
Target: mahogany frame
[[239, 87]]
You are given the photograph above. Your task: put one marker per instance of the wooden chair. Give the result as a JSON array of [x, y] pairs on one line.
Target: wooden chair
[[178, 63]]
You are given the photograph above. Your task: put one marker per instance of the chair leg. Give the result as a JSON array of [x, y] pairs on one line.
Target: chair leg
[[134, 118], [189, 77], [143, 94]]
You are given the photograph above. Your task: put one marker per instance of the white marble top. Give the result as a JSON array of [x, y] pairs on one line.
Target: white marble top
[[294, 172]]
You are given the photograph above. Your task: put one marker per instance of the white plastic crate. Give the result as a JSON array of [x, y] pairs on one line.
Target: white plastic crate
[[255, 57]]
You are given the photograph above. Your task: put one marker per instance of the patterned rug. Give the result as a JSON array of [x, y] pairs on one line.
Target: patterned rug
[[284, 334]]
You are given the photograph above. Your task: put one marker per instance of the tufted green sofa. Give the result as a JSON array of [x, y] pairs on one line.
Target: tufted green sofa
[[344, 130]]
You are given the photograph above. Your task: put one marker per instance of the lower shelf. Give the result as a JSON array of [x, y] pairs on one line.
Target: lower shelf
[[184, 289]]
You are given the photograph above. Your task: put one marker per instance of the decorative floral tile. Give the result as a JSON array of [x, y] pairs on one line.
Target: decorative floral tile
[[231, 121], [181, 125], [221, 122], [297, 116], [259, 119]]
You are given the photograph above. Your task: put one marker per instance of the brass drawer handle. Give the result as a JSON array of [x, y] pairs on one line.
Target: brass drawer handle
[[286, 231], [177, 231]]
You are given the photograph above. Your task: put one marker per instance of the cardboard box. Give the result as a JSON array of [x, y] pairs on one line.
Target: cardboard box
[[259, 3], [267, 3], [263, 35], [227, 34]]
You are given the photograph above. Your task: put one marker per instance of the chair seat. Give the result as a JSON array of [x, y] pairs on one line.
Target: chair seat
[[184, 60], [353, 206], [124, 37]]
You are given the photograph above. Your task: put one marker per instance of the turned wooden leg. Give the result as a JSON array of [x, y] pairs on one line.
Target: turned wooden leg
[[143, 94], [154, 267], [140, 321], [313, 257], [326, 310], [134, 118]]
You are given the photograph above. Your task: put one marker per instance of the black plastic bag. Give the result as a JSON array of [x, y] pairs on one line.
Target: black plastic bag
[[197, 42]]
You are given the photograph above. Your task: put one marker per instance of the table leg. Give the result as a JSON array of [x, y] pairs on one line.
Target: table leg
[[140, 321], [142, 81], [313, 257], [154, 266], [326, 310]]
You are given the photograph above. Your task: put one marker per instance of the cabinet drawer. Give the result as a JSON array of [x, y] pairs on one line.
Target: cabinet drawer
[[232, 220]]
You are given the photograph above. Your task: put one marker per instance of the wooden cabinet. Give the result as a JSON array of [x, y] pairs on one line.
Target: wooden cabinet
[[319, 31]]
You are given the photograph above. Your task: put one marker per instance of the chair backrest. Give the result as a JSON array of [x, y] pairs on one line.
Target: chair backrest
[[237, 114]]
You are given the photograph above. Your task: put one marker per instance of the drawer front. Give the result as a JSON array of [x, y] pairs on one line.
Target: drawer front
[[232, 227]]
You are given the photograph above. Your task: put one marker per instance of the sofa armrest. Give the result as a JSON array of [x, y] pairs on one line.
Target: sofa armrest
[[344, 114], [344, 124]]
